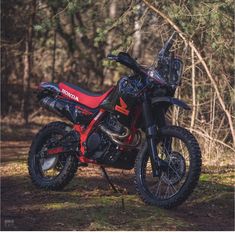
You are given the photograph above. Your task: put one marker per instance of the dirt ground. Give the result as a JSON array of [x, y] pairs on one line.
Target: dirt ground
[[88, 203]]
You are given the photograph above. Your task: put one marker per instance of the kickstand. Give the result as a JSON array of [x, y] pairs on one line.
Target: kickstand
[[108, 179], [113, 187]]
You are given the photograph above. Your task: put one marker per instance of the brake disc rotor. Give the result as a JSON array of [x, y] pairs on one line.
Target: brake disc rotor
[[176, 167], [49, 163]]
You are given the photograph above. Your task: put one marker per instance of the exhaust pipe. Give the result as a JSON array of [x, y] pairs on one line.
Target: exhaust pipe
[[53, 105], [117, 137], [61, 108]]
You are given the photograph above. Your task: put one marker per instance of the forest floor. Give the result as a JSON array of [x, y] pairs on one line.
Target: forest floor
[[88, 203]]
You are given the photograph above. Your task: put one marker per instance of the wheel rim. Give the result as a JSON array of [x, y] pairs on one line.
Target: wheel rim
[[49, 167], [47, 164], [175, 152]]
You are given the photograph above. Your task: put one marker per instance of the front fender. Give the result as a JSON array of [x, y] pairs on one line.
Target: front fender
[[171, 101]]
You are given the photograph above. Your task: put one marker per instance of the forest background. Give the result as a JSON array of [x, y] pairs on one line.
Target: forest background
[[68, 40]]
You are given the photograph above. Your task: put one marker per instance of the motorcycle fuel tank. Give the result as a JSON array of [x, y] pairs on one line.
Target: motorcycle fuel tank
[[123, 99]]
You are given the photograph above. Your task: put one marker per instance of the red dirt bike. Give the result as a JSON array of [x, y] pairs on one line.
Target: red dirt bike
[[123, 128]]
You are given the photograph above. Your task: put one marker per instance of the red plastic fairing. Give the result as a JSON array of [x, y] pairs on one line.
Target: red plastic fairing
[[89, 101]]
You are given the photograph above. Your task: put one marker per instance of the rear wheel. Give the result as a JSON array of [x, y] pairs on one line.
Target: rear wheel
[[50, 172], [181, 152]]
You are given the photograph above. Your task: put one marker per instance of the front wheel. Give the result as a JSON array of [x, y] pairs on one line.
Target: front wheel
[[180, 151]]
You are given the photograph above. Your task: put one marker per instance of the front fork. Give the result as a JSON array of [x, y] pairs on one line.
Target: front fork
[[151, 134]]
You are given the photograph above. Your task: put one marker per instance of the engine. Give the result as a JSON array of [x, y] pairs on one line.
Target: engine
[[104, 144], [99, 144]]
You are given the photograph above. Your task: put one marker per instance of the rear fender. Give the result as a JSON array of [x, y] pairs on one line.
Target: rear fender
[[46, 88], [50, 87]]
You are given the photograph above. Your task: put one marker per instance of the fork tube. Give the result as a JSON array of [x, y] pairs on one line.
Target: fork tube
[[151, 134]]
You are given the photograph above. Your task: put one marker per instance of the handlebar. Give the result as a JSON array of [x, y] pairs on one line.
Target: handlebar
[[127, 60]]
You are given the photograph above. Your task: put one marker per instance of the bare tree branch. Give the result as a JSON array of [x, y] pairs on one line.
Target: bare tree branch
[[190, 43]]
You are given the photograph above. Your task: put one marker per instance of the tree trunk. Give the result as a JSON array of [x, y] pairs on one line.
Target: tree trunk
[[28, 61], [193, 92], [54, 56], [112, 14], [5, 70], [137, 35]]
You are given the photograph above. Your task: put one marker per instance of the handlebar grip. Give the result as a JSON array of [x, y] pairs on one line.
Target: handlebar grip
[[112, 57]]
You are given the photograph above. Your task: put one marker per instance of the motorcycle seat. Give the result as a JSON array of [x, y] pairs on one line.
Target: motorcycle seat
[[81, 90], [85, 97]]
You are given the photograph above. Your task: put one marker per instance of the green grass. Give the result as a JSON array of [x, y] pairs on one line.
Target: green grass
[[88, 205], [107, 213]]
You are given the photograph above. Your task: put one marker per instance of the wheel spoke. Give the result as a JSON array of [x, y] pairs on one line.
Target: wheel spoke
[[167, 181], [165, 196], [158, 186], [61, 165], [174, 171]]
